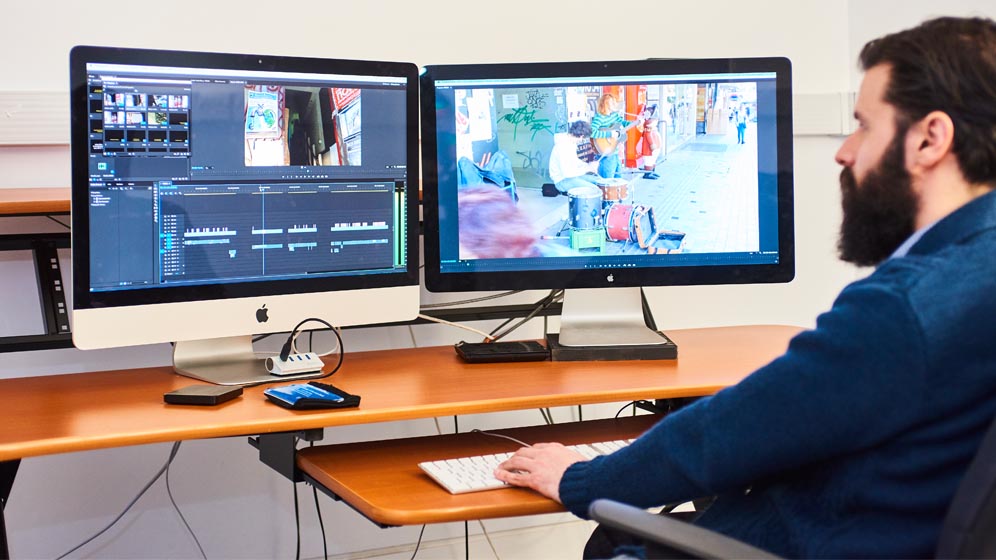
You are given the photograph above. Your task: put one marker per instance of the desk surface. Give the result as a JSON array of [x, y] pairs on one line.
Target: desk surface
[[65, 413], [34, 201]]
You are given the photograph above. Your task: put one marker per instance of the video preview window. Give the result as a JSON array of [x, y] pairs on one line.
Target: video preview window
[[605, 170], [294, 125]]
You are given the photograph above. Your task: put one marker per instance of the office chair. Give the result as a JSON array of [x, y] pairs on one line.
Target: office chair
[[968, 531]]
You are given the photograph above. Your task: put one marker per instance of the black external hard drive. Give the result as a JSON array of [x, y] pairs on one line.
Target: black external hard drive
[[514, 351], [202, 394]]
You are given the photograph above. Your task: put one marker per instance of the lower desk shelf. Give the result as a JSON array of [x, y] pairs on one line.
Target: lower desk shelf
[[382, 480]]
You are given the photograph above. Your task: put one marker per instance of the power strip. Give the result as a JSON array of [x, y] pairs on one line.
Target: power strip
[[308, 362]]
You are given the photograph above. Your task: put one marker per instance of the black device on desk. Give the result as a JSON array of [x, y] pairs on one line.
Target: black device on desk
[[202, 394], [510, 351]]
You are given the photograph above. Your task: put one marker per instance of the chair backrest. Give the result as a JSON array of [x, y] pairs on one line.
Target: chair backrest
[[969, 529]]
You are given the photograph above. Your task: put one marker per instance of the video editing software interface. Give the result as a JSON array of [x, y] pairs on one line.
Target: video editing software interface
[[696, 182], [216, 176]]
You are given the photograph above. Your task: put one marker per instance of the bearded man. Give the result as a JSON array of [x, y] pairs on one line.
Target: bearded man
[[853, 442]]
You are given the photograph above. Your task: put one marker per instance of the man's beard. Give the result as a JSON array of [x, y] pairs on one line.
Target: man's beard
[[880, 213]]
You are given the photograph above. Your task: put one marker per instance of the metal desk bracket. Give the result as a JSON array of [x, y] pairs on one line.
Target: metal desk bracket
[[279, 451]]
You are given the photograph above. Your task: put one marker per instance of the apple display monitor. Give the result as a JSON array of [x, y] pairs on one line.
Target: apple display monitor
[[218, 196], [587, 176]]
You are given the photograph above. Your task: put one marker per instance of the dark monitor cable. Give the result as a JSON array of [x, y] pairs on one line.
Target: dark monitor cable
[[164, 469], [60, 222], [540, 305]]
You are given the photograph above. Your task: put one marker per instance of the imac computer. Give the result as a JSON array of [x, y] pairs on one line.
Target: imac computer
[[601, 178], [220, 196]]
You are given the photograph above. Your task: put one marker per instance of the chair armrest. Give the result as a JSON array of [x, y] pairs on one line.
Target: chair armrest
[[682, 540]]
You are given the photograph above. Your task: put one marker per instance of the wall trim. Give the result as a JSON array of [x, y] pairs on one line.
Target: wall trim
[[34, 118], [41, 118]]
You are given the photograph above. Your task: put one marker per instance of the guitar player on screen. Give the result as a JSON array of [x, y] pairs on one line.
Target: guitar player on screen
[[607, 128]]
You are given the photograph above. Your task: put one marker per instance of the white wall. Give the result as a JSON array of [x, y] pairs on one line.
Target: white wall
[[238, 507]]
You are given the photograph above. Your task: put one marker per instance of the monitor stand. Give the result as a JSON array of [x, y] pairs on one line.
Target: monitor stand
[[225, 361], [607, 324]]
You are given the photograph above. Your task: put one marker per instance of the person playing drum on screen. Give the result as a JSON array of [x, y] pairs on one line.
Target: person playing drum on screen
[[566, 169]]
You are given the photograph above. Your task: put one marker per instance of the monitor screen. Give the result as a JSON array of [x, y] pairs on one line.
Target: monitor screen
[[607, 174], [219, 195]]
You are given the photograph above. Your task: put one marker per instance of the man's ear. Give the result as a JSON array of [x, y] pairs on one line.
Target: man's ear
[[929, 140]]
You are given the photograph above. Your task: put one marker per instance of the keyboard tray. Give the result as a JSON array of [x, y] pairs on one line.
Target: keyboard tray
[[382, 480]]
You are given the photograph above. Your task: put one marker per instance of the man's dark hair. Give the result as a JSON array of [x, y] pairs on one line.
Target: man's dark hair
[[946, 64], [581, 129]]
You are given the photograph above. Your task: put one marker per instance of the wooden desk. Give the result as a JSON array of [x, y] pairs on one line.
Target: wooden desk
[[65, 413], [24, 202]]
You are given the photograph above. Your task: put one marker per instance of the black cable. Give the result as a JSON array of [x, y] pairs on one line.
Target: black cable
[[169, 492], [321, 524], [466, 540], [297, 328], [63, 224], [141, 493], [293, 334], [631, 403], [542, 304], [297, 523], [546, 419], [418, 543], [285, 351], [503, 323], [443, 304]]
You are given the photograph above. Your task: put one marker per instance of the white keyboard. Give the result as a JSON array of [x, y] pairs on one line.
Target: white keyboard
[[473, 474]]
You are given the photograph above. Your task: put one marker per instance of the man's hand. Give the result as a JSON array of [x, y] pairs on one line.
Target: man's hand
[[539, 467]]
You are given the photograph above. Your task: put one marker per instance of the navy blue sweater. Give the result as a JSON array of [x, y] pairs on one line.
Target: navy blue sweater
[[852, 443]]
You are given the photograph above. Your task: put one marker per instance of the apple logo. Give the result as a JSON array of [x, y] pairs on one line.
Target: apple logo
[[261, 316], [610, 278]]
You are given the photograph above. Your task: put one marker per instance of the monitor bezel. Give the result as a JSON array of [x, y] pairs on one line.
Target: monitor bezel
[[784, 271], [80, 56]]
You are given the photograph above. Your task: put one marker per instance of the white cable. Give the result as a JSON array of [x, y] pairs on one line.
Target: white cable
[[411, 333], [503, 436], [488, 538], [329, 352], [487, 337]]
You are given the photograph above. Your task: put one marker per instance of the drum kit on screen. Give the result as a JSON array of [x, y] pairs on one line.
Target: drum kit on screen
[[604, 212]]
